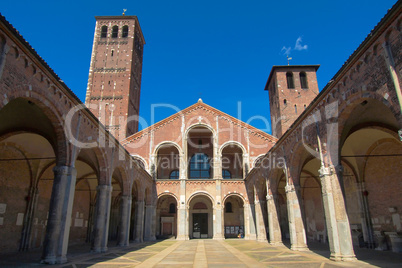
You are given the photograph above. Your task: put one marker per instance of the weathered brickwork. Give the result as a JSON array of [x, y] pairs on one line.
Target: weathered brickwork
[[114, 83], [40, 125], [332, 175]]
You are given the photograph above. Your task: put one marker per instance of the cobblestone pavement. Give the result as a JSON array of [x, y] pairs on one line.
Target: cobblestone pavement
[[212, 253]]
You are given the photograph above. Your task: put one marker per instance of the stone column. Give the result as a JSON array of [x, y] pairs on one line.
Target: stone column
[[339, 235], [218, 223], [139, 228], [249, 222], [218, 212], [275, 236], [182, 230], [149, 234], [125, 211], [259, 220], [59, 221], [296, 226], [102, 213]]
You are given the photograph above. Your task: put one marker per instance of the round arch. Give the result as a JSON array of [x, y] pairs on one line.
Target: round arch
[[37, 118], [201, 212], [199, 125], [200, 193], [231, 195], [235, 143], [167, 143], [169, 194], [141, 160], [258, 159]]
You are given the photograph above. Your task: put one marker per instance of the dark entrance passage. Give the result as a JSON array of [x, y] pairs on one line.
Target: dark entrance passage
[[200, 225]]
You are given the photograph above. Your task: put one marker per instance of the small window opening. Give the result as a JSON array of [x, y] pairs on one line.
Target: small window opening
[[289, 80], [104, 31], [295, 108], [303, 80], [112, 52], [115, 31], [285, 102], [305, 106], [228, 207], [125, 31], [172, 208]]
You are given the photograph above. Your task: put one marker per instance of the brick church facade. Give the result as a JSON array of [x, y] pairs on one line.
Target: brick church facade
[[74, 173]]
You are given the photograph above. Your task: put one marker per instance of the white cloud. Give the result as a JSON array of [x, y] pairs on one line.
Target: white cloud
[[287, 50], [298, 45]]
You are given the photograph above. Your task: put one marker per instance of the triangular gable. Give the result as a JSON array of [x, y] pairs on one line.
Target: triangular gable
[[192, 108]]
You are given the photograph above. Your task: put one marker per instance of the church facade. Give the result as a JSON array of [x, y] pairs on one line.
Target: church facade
[[83, 174]]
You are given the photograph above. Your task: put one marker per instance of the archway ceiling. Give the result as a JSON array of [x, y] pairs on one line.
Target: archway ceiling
[[359, 143], [34, 145]]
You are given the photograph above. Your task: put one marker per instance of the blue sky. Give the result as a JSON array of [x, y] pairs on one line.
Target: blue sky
[[221, 51]]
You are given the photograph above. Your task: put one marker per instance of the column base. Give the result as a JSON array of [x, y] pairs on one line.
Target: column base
[[218, 237], [49, 260], [277, 244], [138, 240], [182, 237], [299, 248], [340, 257], [62, 259]]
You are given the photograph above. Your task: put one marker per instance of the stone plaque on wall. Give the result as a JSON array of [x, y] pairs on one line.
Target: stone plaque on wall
[[3, 208], [20, 219]]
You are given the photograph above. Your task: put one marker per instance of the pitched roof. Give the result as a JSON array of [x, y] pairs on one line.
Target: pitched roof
[[196, 106]]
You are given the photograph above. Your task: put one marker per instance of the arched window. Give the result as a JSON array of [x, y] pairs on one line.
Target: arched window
[[125, 31], [228, 207], [303, 80], [174, 175], [289, 80], [285, 102], [115, 31], [226, 174], [172, 208], [104, 31], [199, 166]]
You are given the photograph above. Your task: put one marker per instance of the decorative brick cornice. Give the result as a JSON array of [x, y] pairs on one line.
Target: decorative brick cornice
[[170, 182], [196, 107]]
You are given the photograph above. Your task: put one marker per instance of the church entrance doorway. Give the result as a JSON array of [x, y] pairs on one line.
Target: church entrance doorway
[[200, 218], [200, 225]]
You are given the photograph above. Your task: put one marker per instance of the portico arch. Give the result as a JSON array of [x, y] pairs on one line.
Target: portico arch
[[200, 207]]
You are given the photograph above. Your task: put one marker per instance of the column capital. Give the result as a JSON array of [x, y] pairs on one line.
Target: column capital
[[269, 197], [290, 188], [324, 171]]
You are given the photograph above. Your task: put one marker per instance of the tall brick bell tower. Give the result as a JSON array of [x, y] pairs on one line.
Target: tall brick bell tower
[[114, 82], [291, 89]]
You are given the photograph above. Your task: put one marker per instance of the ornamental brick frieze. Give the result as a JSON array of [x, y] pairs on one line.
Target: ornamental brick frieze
[[163, 183], [109, 70], [201, 182], [106, 97], [233, 182]]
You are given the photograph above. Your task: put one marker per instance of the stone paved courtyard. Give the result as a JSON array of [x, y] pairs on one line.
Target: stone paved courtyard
[[210, 253]]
